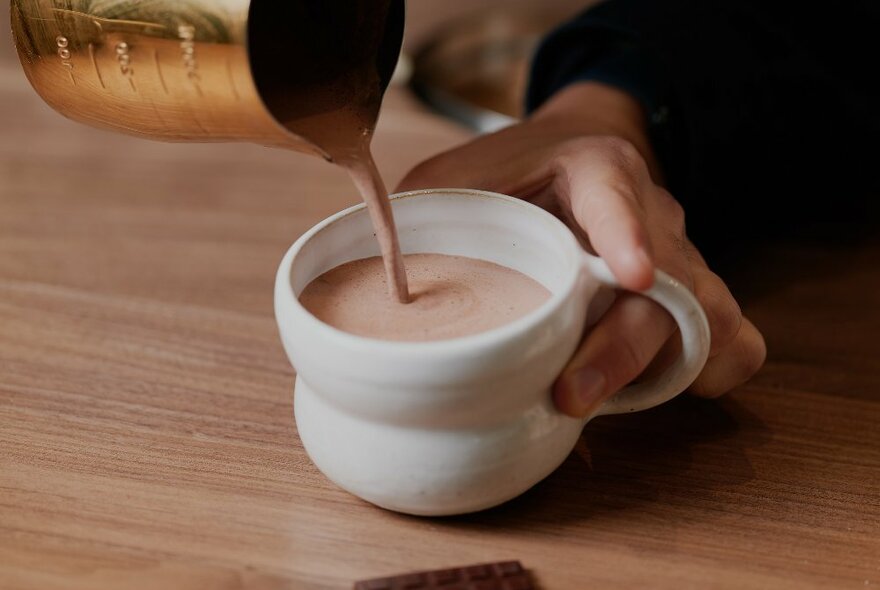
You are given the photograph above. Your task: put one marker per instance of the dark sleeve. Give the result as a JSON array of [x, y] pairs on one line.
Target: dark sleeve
[[756, 108]]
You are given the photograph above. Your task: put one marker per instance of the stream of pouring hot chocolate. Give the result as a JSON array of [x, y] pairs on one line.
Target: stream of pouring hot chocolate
[[362, 169], [345, 139]]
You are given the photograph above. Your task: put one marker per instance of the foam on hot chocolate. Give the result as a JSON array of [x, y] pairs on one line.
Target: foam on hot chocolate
[[450, 296]]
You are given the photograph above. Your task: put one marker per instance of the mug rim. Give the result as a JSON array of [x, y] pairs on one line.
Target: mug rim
[[479, 340]]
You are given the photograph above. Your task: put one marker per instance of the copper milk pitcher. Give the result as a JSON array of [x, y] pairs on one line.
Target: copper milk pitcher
[[307, 75]]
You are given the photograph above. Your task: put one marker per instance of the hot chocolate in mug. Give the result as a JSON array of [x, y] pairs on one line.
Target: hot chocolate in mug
[[463, 424]]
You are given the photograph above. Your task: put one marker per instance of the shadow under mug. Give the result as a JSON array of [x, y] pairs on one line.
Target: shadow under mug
[[463, 424]]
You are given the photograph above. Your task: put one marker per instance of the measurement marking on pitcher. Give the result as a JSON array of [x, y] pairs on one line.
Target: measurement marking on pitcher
[[123, 58], [187, 34], [159, 70], [95, 65], [63, 50]]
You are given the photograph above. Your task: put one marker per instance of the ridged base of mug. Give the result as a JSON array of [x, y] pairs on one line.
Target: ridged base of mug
[[432, 472]]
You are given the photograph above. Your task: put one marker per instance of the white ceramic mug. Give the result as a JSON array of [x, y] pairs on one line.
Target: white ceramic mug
[[458, 425]]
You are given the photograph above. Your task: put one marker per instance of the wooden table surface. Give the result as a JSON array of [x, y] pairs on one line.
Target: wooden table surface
[[146, 429]]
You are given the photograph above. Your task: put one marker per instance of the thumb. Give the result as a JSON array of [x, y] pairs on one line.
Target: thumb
[[428, 174], [453, 169], [486, 163]]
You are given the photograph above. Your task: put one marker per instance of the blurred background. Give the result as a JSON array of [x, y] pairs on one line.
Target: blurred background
[[471, 62]]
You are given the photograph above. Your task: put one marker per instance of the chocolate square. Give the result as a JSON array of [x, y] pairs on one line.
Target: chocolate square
[[503, 575]]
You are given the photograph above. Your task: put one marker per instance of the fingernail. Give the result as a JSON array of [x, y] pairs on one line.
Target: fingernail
[[588, 385]]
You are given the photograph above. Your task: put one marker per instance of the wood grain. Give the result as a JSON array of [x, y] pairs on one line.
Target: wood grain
[[146, 431]]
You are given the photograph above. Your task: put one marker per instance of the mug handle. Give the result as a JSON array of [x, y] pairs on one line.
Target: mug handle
[[695, 339]]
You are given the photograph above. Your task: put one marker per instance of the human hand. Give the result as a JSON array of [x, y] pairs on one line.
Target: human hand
[[585, 157]]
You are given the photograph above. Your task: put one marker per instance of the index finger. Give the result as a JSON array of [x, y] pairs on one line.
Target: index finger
[[604, 200]]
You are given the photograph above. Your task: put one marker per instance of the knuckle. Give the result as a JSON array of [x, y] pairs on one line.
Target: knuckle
[[754, 351], [686, 277], [677, 263], [613, 153], [724, 324], [673, 211], [724, 313], [703, 387], [678, 244], [575, 146], [621, 151], [734, 366], [748, 360], [676, 212]]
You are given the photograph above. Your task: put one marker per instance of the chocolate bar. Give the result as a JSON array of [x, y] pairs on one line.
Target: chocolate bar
[[502, 575]]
